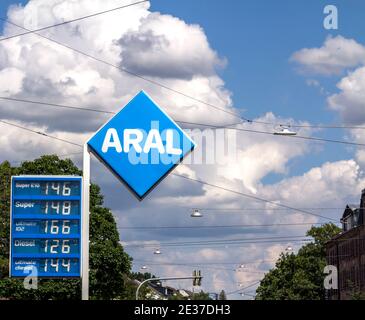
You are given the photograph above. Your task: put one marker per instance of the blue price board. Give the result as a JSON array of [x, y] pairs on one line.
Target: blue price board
[[46, 226]]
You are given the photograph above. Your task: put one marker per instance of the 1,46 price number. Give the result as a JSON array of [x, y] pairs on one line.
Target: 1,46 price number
[[57, 188]]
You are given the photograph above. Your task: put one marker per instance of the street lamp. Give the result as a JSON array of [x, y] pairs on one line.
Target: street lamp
[[196, 214]]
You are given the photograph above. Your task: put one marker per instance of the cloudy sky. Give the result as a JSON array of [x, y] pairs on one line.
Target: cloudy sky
[[271, 62]]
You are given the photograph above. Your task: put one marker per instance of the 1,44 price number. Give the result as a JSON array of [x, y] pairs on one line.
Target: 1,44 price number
[[54, 265]]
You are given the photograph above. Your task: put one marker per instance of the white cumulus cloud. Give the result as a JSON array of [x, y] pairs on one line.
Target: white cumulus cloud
[[336, 54], [350, 101]]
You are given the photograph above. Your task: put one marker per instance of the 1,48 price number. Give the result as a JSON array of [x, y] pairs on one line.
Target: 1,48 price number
[[58, 207]]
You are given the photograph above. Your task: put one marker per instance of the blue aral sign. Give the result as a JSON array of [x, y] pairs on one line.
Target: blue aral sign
[[141, 144], [45, 226]]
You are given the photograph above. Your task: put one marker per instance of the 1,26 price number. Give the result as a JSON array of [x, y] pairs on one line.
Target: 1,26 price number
[[57, 246]]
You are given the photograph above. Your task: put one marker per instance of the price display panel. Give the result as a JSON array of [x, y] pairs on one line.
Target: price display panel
[[46, 226]]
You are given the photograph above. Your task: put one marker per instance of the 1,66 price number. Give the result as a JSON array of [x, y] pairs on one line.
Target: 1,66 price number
[[55, 227]]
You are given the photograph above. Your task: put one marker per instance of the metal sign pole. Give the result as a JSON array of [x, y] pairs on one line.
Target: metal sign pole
[[85, 223]]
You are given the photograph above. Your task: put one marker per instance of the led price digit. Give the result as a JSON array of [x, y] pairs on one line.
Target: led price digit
[[53, 246], [54, 263], [66, 229], [66, 189], [56, 188], [57, 207], [54, 228], [66, 263], [66, 208], [66, 247]]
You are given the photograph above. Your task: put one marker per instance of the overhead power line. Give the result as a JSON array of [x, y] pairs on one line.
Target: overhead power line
[[185, 177], [245, 288], [60, 156], [211, 268], [35, 32], [180, 121], [205, 266], [221, 241], [314, 126], [73, 20], [149, 262], [134, 74], [231, 242], [230, 126], [40, 133], [56, 105], [253, 197], [236, 244], [272, 133], [218, 227], [249, 294], [268, 209]]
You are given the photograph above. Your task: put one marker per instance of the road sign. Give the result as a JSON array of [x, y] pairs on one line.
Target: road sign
[[46, 226], [141, 145]]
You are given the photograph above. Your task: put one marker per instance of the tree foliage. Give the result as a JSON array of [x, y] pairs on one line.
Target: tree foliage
[[194, 296], [109, 264], [300, 276], [222, 295]]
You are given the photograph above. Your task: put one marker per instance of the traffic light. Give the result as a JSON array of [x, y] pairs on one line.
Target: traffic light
[[197, 281]]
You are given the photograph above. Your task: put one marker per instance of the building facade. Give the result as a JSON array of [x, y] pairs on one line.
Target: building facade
[[347, 253]]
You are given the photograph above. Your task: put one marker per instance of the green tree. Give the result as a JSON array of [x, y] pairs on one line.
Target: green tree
[[141, 276], [300, 276], [355, 293], [194, 296], [222, 295], [109, 264], [201, 296]]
